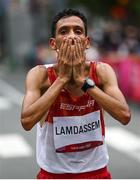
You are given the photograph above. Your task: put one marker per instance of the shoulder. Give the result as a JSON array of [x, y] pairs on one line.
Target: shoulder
[[99, 65], [105, 72], [37, 70], [36, 75], [103, 67]]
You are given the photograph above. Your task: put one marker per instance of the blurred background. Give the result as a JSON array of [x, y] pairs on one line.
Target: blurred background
[[114, 29]]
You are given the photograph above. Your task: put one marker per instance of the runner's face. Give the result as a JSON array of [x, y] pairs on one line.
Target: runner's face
[[70, 27]]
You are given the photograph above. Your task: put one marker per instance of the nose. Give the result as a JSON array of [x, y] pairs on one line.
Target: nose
[[72, 34]]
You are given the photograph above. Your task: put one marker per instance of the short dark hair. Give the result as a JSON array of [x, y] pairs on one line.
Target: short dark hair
[[68, 13]]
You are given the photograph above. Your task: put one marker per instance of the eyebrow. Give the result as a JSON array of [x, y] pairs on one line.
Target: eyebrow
[[75, 27], [66, 26]]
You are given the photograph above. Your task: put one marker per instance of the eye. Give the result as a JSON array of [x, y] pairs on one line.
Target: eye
[[78, 31], [63, 31]]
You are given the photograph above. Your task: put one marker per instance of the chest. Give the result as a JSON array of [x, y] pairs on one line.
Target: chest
[[68, 105]]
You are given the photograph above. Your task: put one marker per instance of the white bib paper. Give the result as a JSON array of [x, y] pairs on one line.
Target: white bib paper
[[77, 133]]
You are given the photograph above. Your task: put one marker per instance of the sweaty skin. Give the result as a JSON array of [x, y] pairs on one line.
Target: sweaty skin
[[70, 43]]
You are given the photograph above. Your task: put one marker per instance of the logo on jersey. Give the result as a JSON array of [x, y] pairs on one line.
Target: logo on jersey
[[71, 107]]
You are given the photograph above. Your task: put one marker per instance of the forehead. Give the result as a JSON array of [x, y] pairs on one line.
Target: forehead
[[70, 21]]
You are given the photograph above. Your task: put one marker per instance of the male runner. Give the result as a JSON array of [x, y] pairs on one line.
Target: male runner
[[66, 101]]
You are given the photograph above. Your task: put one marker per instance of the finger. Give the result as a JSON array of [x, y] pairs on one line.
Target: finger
[[70, 52], [62, 47], [76, 49], [65, 49], [61, 50], [68, 49], [81, 44], [80, 49], [70, 57], [75, 57]]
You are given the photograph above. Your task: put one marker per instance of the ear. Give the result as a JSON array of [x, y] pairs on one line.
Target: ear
[[52, 43], [88, 42]]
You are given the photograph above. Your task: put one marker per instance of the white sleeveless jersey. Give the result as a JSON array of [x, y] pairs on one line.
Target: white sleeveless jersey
[[72, 137]]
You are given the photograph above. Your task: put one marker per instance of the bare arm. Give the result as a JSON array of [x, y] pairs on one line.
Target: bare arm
[[34, 105], [111, 98]]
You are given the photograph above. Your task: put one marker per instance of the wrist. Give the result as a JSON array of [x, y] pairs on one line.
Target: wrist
[[88, 83]]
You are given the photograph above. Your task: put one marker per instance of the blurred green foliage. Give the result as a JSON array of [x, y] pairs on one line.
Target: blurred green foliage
[[103, 7], [94, 6], [135, 5]]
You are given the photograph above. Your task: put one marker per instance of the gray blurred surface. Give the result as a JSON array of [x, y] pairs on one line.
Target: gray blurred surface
[[121, 165]]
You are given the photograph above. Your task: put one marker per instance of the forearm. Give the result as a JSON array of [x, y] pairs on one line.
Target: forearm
[[34, 113], [117, 109]]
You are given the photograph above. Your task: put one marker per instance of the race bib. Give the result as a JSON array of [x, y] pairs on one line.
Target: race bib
[[77, 133]]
